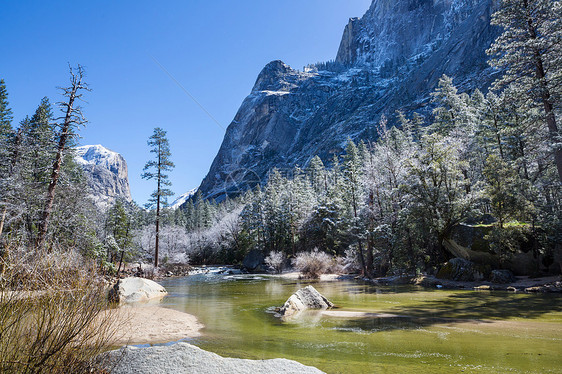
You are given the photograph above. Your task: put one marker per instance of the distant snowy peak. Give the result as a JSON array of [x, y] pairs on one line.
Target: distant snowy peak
[[183, 198], [107, 174], [97, 155]]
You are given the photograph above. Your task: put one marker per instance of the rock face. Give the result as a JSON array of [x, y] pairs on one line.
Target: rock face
[[459, 269], [133, 289], [305, 298], [185, 358], [107, 174], [469, 242], [389, 59], [502, 276], [254, 261]]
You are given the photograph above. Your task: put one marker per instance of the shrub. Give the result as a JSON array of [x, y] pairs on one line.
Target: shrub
[[312, 264], [276, 261], [51, 313]]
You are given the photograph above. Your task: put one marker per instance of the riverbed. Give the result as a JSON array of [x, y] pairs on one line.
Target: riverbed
[[422, 330]]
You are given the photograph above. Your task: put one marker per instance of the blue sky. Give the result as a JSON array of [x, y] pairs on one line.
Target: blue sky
[[214, 49]]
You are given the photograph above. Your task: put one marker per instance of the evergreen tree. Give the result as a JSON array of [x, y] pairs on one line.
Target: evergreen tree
[[155, 169], [529, 52], [6, 140], [118, 228], [352, 171], [72, 120]]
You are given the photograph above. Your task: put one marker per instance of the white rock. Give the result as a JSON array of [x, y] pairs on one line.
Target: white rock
[[183, 358], [305, 298], [135, 289]]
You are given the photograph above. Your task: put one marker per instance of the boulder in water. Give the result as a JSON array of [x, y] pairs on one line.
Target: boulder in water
[[305, 298], [136, 289]]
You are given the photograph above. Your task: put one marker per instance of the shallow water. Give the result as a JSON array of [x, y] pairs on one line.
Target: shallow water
[[438, 331]]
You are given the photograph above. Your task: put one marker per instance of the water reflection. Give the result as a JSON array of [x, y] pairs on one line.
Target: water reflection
[[427, 330]]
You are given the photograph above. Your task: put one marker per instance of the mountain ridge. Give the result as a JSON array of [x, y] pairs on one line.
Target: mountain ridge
[[390, 59]]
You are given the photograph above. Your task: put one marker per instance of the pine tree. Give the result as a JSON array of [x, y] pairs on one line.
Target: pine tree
[[6, 140], [352, 170], [118, 227], [529, 52], [155, 169]]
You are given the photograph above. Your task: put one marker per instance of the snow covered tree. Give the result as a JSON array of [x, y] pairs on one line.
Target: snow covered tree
[[436, 188], [118, 227], [71, 121], [6, 140], [352, 171], [156, 170], [529, 53]]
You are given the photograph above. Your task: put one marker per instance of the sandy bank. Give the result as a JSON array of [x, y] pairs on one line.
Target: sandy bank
[[153, 324]]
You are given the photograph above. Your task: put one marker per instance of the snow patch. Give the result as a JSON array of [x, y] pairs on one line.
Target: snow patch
[[183, 198]]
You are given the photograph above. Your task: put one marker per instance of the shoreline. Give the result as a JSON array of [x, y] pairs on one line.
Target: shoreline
[[547, 284], [153, 324]]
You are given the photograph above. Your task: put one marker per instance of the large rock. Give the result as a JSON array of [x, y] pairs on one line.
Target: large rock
[[390, 59], [303, 299], [133, 289], [459, 269], [254, 261], [502, 276], [183, 358]]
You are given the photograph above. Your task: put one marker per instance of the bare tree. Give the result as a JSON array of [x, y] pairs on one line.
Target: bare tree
[[71, 120]]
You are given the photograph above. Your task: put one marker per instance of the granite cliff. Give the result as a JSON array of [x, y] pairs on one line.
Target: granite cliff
[[107, 174], [390, 59]]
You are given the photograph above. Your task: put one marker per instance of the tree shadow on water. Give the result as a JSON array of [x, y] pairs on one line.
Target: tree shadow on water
[[463, 307]]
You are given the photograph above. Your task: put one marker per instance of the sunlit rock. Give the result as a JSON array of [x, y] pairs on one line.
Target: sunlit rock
[[303, 299]]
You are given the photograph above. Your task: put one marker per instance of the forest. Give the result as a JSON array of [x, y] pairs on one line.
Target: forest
[[385, 205]]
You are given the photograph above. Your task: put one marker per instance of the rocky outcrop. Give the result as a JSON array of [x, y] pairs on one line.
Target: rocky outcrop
[[391, 58], [459, 269], [133, 289], [107, 174], [185, 358], [254, 261], [502, 276], [303, 299], [471, 243]]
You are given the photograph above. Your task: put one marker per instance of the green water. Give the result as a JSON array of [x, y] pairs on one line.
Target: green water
[[444, 331]]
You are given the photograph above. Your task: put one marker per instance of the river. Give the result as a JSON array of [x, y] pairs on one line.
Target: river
[[439, 331]]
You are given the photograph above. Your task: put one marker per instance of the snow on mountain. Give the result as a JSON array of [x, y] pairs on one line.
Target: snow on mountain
[[183, 198], [107, 174], [388, 60]]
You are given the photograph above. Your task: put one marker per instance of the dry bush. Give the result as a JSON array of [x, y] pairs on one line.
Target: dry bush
[[51, 313], [313, 264], [276, 261]]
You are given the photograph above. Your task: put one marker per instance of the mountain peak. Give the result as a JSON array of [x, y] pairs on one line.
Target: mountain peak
[[390, 59], [107, 174]]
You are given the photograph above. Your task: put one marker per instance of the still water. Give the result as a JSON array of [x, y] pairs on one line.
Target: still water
[[438, 331]]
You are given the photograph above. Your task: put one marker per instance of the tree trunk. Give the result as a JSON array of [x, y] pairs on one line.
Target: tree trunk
[[3, 219], [55, 174], [370, 244], [69, 119], [158, 210]]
